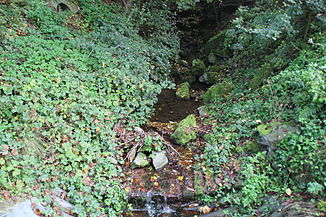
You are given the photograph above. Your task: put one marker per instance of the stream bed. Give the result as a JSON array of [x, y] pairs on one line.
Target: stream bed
[[171, 191]]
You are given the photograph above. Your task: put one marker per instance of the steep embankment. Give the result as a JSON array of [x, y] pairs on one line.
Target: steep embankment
[[266, 107], [70, 77]]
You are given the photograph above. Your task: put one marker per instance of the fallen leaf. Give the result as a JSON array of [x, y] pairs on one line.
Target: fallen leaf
[[14, 152], [153, 178], [205, 209]]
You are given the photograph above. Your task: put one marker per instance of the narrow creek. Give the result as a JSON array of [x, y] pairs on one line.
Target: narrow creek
[[169, 191]]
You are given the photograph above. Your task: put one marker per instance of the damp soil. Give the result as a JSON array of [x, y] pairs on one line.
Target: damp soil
[[171, 109]]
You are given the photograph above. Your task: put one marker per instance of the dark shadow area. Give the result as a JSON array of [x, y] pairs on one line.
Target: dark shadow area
[[62, 7]]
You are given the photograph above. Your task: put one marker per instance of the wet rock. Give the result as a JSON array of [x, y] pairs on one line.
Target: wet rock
[[198, 67], [270, 206], [160, 160], [273, 133], [21, 209], [140, 160], [201, 111], [26, 208], [139, 130], [184, 132], [203, 78], [188, 192], [297, 209], [183, 91], [217, 91], [219, 213]]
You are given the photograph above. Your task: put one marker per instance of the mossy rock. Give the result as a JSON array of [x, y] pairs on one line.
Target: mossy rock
[[184, 134], [253, 147], [322, 206], [215, 45], [265, 129], [214, 77], [217, 91], [198, 67], [216, 68], [140, 160], [261, 75], [212, 58], [215, 42], [183, 91]]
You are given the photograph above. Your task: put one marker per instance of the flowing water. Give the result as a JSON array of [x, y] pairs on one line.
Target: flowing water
[[157, 206]]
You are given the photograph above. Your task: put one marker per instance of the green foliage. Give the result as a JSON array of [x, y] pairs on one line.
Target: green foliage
[[322, 206], [261, 75], [270, 32], [257, 181], [315, 188], [294, 93], [66, 81], [152, 143], [301, 157]]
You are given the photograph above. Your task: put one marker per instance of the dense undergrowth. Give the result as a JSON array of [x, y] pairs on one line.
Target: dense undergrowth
[[275, 58], [66, 80]]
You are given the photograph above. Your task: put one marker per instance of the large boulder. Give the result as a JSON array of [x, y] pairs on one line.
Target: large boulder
[[273, 133], [184, 132], [213, 75], [217, 91], [183, 91]]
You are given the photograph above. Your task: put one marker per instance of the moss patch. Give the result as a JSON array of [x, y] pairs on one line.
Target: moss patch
[[198, 67], [253, 147], [183, 91], [217, 91], [265, 129], [184, 133]]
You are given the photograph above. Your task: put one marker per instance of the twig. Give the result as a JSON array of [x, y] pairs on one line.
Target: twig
[[170, 146]]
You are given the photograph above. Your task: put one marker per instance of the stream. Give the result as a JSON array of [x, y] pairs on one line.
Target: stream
[[169, 192]]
